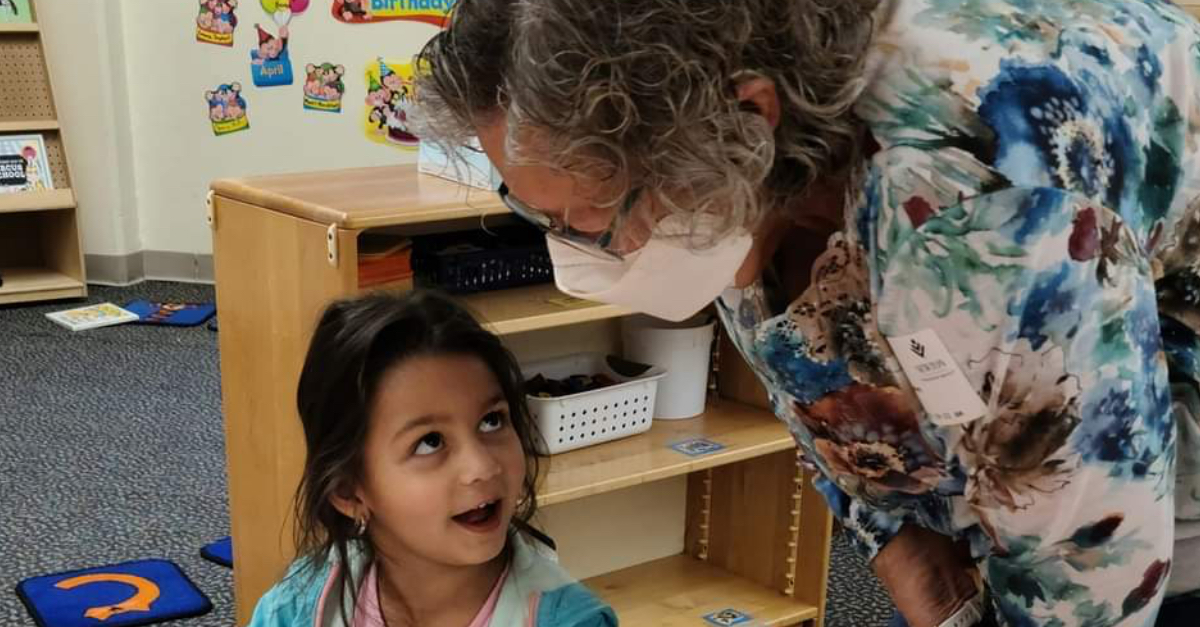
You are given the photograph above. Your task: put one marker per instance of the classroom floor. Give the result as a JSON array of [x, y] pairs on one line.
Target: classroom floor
[[111, 449]]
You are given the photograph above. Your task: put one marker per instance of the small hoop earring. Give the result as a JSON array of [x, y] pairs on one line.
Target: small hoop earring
[[360, 526]]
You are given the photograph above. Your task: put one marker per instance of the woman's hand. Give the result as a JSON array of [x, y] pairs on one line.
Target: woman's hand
[[927, 574]]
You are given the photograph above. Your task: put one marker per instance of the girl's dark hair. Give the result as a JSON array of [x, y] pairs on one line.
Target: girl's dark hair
[[356, 341]]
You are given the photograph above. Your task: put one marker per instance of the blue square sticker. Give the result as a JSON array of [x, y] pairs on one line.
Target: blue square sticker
[[727, 617], [123, 595], [697, 447]]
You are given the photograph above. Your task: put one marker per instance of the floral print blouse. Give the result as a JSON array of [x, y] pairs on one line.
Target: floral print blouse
[[1031, 226]]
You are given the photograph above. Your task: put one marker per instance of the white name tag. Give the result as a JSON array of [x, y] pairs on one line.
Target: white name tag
[[941, 386]]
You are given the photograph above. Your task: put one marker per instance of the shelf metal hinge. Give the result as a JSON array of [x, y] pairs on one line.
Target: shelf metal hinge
[[210, 216], [792, 550], [331, 245], [705, 517]]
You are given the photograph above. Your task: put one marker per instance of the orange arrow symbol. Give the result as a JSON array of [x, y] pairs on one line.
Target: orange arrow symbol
[[147, 593]]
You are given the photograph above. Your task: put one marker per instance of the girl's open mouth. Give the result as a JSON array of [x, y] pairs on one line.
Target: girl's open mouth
[[481, 519]]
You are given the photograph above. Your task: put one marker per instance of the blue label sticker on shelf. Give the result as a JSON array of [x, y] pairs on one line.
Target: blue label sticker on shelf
[[727, 617], [697, 447]]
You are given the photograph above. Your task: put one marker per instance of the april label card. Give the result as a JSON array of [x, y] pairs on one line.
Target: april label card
[[270, 63]]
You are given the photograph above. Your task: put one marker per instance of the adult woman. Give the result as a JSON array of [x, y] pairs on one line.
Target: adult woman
[[952, 238]]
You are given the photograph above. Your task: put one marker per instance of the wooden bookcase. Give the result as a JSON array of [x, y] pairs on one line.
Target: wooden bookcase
[[40, 254], [756, 537]]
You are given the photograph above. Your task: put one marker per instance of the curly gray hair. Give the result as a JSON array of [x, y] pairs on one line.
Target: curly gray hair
[[643, 93]]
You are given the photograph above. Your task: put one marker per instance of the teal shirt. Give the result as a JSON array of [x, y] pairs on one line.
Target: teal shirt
[[535, 580]]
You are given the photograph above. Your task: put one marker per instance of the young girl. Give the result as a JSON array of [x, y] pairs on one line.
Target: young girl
[[419, 483]]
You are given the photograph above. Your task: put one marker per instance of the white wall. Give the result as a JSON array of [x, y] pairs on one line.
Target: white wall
[[85, 54], [130, 81]]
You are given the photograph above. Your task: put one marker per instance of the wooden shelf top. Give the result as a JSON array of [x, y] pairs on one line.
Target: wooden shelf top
[[24, 284], [19, 28], [48, 200], [679, 591], [746, 432], [27, 126], [362, 198], [535, 307]]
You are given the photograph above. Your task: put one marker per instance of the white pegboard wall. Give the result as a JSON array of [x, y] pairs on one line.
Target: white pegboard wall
[[57, 159], [24, 85]]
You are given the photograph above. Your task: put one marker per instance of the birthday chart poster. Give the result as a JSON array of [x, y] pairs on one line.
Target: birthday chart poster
[[434, 12], [389, 104]]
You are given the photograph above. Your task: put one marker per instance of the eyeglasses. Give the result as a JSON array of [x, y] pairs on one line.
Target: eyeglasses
[[562, 232]]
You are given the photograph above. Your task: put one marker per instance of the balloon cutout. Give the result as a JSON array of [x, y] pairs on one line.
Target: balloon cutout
[[282, 11]]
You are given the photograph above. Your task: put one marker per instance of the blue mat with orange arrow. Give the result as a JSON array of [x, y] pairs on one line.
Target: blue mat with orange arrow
[[140, 592]]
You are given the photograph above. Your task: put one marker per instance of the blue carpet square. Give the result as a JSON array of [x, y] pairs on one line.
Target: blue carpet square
[[171, 314], [121, 595], [220, 551]]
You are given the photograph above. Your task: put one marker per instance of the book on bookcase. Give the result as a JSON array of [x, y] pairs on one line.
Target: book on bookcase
[[23, 164], [384, 260], [41, 257], [15, 12]]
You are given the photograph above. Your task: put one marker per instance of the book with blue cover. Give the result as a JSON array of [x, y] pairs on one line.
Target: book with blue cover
[[171, 314]]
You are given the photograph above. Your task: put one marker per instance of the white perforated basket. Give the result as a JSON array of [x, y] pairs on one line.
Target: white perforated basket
[[578, 420]]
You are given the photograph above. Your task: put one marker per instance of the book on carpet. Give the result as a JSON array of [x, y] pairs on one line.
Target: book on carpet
[[171, 314], [92, 316]]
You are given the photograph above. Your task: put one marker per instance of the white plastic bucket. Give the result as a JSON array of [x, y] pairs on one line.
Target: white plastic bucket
[[683, 348]]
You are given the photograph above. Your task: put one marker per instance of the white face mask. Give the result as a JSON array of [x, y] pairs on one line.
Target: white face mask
[[665, 278]]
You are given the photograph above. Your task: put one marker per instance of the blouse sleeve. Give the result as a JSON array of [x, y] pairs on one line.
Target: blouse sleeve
[[1053, 404]]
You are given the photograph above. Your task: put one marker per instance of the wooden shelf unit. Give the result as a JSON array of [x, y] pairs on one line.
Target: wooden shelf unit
[[756, 534], [49, 200], [19, 28], [28, 126], [40, 254], [19, 282], [534, 307], [677, 591], [746, 432]]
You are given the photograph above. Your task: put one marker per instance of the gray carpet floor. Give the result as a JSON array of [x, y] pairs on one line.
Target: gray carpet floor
[[111, 449]]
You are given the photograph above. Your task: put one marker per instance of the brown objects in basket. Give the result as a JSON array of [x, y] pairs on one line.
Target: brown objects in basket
[[545, 387]]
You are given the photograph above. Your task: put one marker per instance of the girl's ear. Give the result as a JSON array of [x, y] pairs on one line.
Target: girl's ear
[[347, 501]]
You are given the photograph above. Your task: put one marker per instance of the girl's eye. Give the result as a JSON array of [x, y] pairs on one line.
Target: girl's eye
[[494, 421], [429, 444]]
